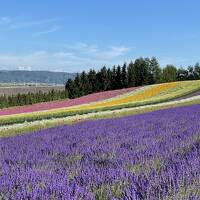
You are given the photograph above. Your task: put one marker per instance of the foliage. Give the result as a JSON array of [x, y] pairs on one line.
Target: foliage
[[169, 73], [31, 98], [143, 71]]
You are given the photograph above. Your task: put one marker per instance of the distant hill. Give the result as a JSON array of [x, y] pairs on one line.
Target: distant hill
[[35, 77]]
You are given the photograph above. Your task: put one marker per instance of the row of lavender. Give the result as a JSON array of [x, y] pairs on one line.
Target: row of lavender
[[149, 156]]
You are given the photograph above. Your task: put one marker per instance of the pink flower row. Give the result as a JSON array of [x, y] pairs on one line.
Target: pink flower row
[[65, 103]]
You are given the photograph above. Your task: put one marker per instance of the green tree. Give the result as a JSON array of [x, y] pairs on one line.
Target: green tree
[[197, 71], [109, 75], [131, 75], [182, 74], [70, 88], [92, 81], [103, 79], [169, 73], [84, 88], [190, 72], [141, 72], [118, 78], [155, 71], [113, 78], [124, 76]]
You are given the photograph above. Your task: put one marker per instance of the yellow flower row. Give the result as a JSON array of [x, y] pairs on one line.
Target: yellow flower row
[[137, 96], [143, 96]]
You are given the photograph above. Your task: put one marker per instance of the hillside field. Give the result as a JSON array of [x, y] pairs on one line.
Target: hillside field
[[139, 143], [140, 96], [148, 156]]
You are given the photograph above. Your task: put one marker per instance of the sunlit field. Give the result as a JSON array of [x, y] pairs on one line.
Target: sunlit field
[[149, 156]]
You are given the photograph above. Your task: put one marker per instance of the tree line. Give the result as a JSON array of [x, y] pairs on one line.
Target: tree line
[[143, 71], [31, 98]]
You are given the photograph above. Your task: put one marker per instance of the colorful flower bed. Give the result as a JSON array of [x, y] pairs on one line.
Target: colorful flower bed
[[148, 156], [16, 129], [143, 96], [65, 103], [149, 94]]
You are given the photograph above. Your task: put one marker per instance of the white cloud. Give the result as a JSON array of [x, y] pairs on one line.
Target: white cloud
[[50, 30], [97, 52], [27, 68], [77, 57], [4, 20], [83, 48], [19, 24], [40, 27]]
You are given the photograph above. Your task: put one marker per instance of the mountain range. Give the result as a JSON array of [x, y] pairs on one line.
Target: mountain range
[[34, 77]]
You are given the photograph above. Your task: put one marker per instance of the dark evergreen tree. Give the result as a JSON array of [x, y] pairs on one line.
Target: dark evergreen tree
[[113, 78], [131, 75], [70, 88], [103, 79], [109, 79], [124, 76], [84, 88], [141, 72], [77, 83], [92, 81], [118, 77]]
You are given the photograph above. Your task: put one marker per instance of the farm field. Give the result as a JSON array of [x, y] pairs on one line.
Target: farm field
[[136, 143], [142, 96], [148, 156], [14, 90], [15, 129], [99, 100]]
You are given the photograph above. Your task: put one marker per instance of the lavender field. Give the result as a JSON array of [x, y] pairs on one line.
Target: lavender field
[[148, 156]]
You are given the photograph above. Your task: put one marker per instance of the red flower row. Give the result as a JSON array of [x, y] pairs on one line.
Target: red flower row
[[65, 103]]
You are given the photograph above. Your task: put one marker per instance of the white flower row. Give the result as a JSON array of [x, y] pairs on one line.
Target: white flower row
[[90, 115]]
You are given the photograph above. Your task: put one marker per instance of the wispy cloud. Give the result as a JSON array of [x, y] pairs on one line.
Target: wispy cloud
[[4, 20], [50, 30], [37, 26], [73, 58], [109, 52], [15, 24]]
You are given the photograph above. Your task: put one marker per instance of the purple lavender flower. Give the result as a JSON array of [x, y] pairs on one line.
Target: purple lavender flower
[[148, 156]]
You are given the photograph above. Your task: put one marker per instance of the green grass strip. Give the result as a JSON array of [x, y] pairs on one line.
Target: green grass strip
[[29, 127]]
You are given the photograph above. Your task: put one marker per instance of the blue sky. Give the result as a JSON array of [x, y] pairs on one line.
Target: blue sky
[[75, 35]]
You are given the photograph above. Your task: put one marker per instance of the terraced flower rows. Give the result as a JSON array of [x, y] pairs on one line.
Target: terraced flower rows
[[16, 129], [149, 156], [150, 94], [142, 96], [65, 103]]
